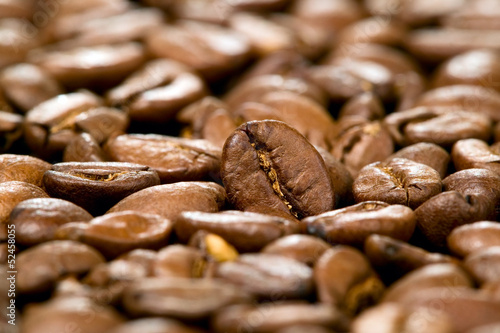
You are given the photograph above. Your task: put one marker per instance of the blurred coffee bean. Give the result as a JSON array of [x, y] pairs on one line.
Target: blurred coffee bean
[[474, 153], [475, 14], [179, 261], [172, 199], [84, 148], [304, 248], [157, 91], [174, 159], [11, 129], [12, 8], [484, 265], [36, 220], [352, 225], [39, 267], [153, 325], [16, 41], [375, 29], [268, 276], [269, 165], [215, 249], [473, 237], [248, 232], [345, 279], [365, 105], [22, 168], [189, 299]]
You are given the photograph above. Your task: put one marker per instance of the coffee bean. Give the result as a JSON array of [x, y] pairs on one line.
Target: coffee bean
[[14, 48], [11, 129], [39, 267], [174, 159], [248, 232], [215, 249], [484, 265], [268, 164], [189, 299], [366, 105], [381, 31], [474, 153], [304, 248], [96, 186], [116, 233], [84, 148], [179, 261], [473, 237], [36, 220], [153, 325], [22, 168], [472, 16], [399, 181]]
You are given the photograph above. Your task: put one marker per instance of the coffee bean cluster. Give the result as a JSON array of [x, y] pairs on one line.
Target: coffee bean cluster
[[227, 166]]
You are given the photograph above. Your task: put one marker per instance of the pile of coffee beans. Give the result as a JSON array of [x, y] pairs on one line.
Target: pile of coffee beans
[[257, 166]]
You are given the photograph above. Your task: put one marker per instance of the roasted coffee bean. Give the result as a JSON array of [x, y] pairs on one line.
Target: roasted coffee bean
[[471, 15], [70, 313], [248, 232], [376, 29], [84, 148], [269, 165], [274, 317], [179, 261], [15, 44], [28, 85], [476, 67], [345, 279], [22, 168], [100, 66], [361, 144], [36, 220], [399, 181], [215, 249], [268, 276], [304, 248], [203, 52], [484, 265], [474, 153], [174, 159], [426, 153], [11, 129], [172, 199], [39, 267], [439, 215], [439, 125], [473, 237], [189, 299], [116, 233], [96, 186], [365, 105], [352, 225], [157, 91], [153, 325], [396, 258]]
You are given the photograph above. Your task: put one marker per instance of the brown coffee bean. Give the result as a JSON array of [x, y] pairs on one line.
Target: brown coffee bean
[[203, 52], [484, 265], [16, 44], [267, 164], [172, 199], [11, 129], [474, 153], [179, 261], [267, 276], [345, 279], [376, 29], [96, 186], [399, 181], [426, 153], [248, 232], [361, 144], [36, 220], [12, 8], [41, 266], [274, 317], [157, 91], [473, 237], [22, 168], [352, 225], [100, 66], [304, 248], [471, 15], [439, 125], [116, 233], [476, 67], [189, 299], [396, 258], [365, 105], [70, 313], [463, 97], [28, 85], [215, 249], [153, 325], [438, 216], [174, 159], [425, 278], [84, 148]]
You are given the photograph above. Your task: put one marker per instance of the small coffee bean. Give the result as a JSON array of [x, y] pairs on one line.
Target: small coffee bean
[[36, 220], [189, 299], [474, 153], [484, 265], [267, 164], [267, 276], [179, 261], [39, 267], [248, 232], [399, 181], [304, 248], [352, 225], [96, 186], [473, 237], [22, 168]]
